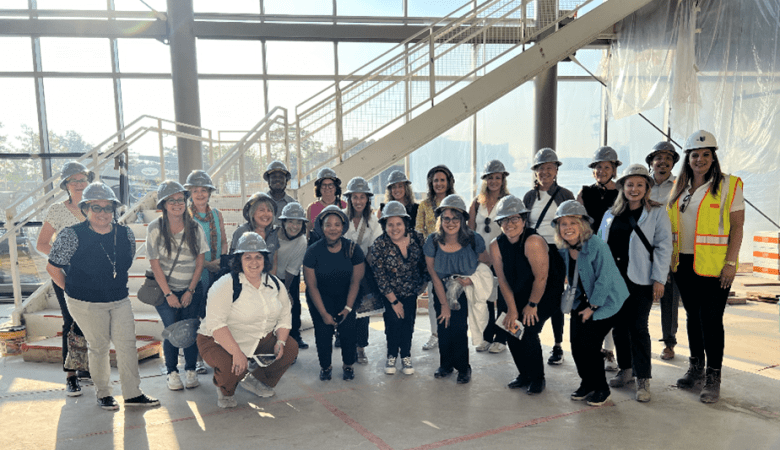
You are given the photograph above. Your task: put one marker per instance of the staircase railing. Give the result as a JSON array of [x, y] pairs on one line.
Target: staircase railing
[[409, 78]]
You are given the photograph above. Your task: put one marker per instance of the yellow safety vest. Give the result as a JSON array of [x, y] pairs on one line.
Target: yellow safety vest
[[713, 223]]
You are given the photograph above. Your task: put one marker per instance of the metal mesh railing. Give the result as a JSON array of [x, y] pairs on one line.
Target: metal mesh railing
[[426, 68]]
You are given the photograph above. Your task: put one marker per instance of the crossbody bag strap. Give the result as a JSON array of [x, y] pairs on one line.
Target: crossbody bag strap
[[181, 244], [362, 231], [546, 207], [642, 237]]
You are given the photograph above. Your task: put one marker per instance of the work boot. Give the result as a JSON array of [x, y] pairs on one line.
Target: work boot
[[643, 389], [710, 393], [695, 373]]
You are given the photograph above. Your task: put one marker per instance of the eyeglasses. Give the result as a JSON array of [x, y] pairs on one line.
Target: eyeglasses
[[79, 181], [685, 203], [487, 224], [450, 219], [510, 221], [176, 201], [98, 208], [328, 186]]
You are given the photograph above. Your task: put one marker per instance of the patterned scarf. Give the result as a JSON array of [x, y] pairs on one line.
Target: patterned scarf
[[212, 228]]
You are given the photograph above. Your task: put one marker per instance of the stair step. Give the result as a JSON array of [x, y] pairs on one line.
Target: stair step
[[50, 349]]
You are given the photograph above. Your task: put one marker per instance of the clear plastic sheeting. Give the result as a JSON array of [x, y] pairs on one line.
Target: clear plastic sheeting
[[715, 65]]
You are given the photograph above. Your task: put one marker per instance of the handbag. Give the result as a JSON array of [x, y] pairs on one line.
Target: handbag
[[150, 291], [567, 299], [77, 358]]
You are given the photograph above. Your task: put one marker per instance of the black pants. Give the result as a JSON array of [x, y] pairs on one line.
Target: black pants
[[556, 319], [527, 352], [670, 306], [399, 331], [492, 332], [632, 338], [295, 301], [704, 302], [323, 337], [361, 331], [67, 321], [586, 339], [453, 340]]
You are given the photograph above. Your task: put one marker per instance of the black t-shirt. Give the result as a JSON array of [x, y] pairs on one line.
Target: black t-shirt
[[333, 271], [619, 237], [597, 201]]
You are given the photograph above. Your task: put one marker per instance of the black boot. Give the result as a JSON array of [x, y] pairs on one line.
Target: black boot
[[695, 373], [710, 393]]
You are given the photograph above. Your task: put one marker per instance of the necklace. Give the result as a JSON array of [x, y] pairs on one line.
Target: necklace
[[113, 262]]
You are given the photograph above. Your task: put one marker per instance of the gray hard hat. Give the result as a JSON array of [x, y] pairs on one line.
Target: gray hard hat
[[635, 170], [182, 334], [98, 191], [199, 178], [701, 139], [662, 146], [492, 167], [276, 166], [256, 197], [168, 188], [332, 210], [508, 206], [603, 154], [358, 185], [251, 242], [394, 209], [453, 201], [72, 168], [293, 211], [397, 176], [545, 155], [327, 172], [571, 208]]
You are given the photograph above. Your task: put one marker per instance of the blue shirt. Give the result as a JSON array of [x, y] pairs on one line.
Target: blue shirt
[[461, 262]]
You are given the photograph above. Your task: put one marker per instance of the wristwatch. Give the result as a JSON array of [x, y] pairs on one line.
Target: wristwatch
[[168, 294], [593, 307], [731, 263], [191, 291], [394, 303], [533, 304]]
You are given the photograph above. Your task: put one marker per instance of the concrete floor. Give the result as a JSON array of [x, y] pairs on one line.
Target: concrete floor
[[419, 412]]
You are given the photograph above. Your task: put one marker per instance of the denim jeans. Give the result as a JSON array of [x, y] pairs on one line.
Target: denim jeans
[[170, 316]]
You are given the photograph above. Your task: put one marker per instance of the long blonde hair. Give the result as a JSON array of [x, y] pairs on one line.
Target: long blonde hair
[[586, 232], [483, 191], [621, 202]]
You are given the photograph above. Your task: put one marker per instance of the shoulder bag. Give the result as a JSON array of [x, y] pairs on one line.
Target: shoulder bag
[[150, 292]]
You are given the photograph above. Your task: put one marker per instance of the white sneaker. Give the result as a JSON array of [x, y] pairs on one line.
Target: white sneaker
[[497, 347], [191, 380], [390, 365], [257, 387], [225, 401], [432, 343], [483, 347], [408, 369], [174, 382]]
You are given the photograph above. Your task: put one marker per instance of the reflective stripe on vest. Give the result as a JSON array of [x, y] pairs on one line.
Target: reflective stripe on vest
[[710, 240]]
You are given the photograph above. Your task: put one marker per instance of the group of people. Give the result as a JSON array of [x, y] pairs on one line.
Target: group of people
[[501, 263]]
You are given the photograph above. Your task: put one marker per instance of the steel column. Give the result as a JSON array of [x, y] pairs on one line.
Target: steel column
[[40, 103], [546, 89]]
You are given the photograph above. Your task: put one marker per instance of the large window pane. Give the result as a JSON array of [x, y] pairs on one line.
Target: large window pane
[[300, 58], [579, 117], [230, 104], [435, 8], [233, 6], [452, 149], [13, 4], [633, 137], [18, 133], [81, 106], [136, 5], [370, 7], [15, 54], [147, 97], [300, 7], [78, 5], [233, 57], [590, 58], [353, 55], [75, 55], [144, 55]]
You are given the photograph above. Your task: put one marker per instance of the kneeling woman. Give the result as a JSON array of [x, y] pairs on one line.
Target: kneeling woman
[[530, 283], [454, 252], [247, 313], [599, 294]]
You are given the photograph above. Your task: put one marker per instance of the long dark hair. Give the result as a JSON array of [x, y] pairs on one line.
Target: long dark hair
[[450, 182], [190, 233], [351, 213], [465, 234], [686, 176], [236, 267]]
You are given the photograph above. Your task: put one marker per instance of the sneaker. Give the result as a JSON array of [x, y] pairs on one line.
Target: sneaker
[[191, 379], [497, 347], [432, 343], [84, 376], [610, 364], [302, 345], [599, 397], [108, 403], [225, 401], [622, 378], [581, 393], [667, 353], [200, 367], [556, 356], [642, 390], [483, 347], [361, 356], [174, 382], [325, 374], [349, 373], [142, 400], [257, 387], [72, 387], [390, 365], [408, 368]]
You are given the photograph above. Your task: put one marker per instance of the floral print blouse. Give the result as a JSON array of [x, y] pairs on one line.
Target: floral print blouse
[[404, 277]]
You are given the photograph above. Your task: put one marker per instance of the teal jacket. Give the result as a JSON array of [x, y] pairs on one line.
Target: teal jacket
[[600, 277]]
